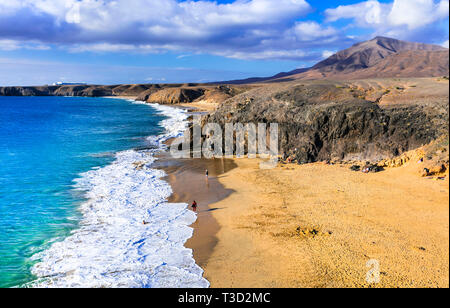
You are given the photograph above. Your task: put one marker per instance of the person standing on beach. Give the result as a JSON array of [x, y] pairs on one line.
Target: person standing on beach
[[194, 206], [207, 173]]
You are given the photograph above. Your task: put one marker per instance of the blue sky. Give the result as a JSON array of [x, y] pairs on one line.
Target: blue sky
[[158, 41]]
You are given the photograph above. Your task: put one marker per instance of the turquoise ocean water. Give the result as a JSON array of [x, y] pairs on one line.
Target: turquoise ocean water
[[45, 143]]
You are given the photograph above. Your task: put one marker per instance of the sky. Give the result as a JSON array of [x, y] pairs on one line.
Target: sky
[[162, 41]]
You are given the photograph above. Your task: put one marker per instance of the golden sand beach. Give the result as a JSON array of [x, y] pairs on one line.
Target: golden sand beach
[[322, 225], [315, 225]]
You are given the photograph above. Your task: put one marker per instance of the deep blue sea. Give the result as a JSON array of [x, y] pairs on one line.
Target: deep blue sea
[[45, 143]]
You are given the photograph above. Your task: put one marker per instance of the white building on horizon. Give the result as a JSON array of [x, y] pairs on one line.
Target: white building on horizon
[[60, 83]]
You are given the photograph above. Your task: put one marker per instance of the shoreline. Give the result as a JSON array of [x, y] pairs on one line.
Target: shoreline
[[130, 98], [183, 173], [180, 173], [205, 191], [114, 241]]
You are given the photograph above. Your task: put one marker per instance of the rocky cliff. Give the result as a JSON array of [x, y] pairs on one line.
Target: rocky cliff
[[151, 93], [72, 90], [343, 121]]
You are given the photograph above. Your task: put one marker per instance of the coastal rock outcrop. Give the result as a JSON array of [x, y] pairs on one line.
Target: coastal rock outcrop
[[151, 93], [73, 90], [27, 91], [134, 89], [144, 96], [175, 95], [322, 121], [82, 90], [190, 93]]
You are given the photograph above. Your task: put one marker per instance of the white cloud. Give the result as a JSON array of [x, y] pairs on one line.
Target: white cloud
[[311, 30], [417, 13], [327, 53], [151, 79], [8, 45], [445, 44], [365, 13], [267, 54], [151, 25], [9, 6], [404, 19], [271, 54], [11, 45], [108, 47], [161, 15], [244, 29]]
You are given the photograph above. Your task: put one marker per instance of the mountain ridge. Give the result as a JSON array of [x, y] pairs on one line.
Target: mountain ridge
[[359, 60]]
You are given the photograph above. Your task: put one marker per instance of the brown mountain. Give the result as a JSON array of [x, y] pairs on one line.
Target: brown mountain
[[368, 54], [417, 63], [380, 57]]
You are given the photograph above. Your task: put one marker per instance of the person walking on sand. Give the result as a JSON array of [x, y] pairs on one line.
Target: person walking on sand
[[207, 173], [194, 206]]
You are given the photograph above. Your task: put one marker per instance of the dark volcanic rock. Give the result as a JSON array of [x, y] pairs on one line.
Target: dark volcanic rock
[[97, 92], [26, 91], [70, 90], [323, 122]]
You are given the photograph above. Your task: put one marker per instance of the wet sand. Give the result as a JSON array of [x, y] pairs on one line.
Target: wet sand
[[189, 182]]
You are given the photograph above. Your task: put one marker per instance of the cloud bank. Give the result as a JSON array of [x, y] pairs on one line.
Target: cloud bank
[[415, 20], [243, 29]]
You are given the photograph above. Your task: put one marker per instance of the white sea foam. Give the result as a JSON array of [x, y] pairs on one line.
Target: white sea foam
[[175, 125], [112, 247]]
